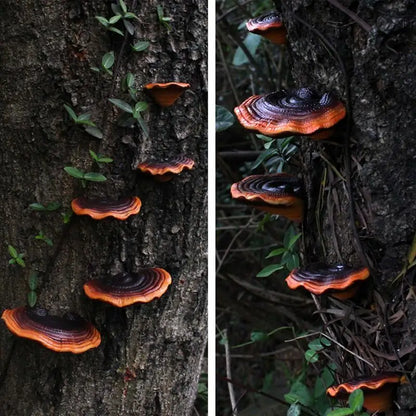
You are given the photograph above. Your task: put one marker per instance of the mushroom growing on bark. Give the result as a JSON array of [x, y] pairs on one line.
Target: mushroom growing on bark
[[299, 112], [378, 390], [339, 281], [164, 170], [125, 289], [103, 208], [70, 333], [278, 193], [165, 94], [270, 26]]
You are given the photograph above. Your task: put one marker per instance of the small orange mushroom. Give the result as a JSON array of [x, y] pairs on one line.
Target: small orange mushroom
[[339, 281], [378, 390], [164, 170], [103, 208], [125, 289], [270, 26], [278, 193], [300, 112], [70, 333], [165, 94]]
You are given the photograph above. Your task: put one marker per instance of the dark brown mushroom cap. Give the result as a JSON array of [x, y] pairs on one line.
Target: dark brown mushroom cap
[[378, 390], [166, 168], [319, 278], [126, 289], [270, 26], [70, 333], [280, 113], [277, 193], [102, 208], [165, 94]]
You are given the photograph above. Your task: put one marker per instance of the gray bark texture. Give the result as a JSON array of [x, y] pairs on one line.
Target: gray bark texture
[[150, 357], [378, 69]]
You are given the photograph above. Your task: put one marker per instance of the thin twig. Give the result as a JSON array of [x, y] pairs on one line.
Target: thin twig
[[228, 373]]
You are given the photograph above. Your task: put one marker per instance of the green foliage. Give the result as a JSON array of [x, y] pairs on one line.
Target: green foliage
[[85, 121], [88, 176], [224, 119], [52, 206], [355, 406], [66, 217], [108, 24], [251, 42], [140, 45], [121, 12], [316, 345], [16, 258], [42, 237], [289, 256], [258, 336], [33, 284], [100, 158], [163, 20], [107, 61]]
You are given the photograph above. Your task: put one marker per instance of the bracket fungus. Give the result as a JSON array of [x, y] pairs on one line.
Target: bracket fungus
[[70, 333], [164, 170], [378, 390], [103, 208], [299, 112], [278, 193], [339, 281], [165, 94], [125, 289], [270, 26]]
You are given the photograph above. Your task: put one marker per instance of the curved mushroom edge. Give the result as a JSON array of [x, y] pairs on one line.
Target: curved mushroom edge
[[270, 26], [166, 94], [165, 170]]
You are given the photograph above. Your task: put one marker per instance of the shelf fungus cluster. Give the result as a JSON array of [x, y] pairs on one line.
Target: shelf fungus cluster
[[166, 94], [339, 281], [299, 112], [378, 390], [278, 193], [70, 333], [165, 170], [125, 289], [270, 26]]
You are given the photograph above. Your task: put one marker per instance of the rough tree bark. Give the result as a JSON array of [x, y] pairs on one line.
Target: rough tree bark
[[150, 357], [378, 69]]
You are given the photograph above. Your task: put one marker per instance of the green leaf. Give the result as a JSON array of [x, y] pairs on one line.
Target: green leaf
[[113, 20], [66, 217], [326, 342], [256, 336], [311, 356], [129, 80], [276, 252], [104, 160], [95, 69], [71, 112], [121, 104], [53, 206], [341, 411], [293, 240], [20, 261], [294, 410], [116, 8], [299, 392], [140, 106], [76, 173], [12, 261], [33, 280], [224, 119], [93, 155], [252, 42], [32, 298], [141, 45], [142, 125], [130, 15], [37, 207], [129, 27], [356, 400], [85, 120], [289, 234], [12, 251], [103, 20], [94, 131], [115, 30], [94, 177], [107, 60], [123, 6], [316, 345], [268, 270], [262, 157]]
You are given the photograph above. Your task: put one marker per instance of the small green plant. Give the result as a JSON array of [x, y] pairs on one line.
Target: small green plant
[[84, 176], [85, 121], [224, 119], [258, 336], [128, 86], [97, 158], [16, 258], [355, 406], [135, 112], [163, 20], [42, 237], [140, 45], [120, 9], [289, 256], [108, 23], [52, 206], [107, 61], [33, 284], [66, 217], [314, 347]]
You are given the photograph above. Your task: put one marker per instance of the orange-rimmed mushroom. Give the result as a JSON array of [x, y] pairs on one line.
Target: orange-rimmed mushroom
[[165, 94], [300, 112], [270, 26], [126, 289], [103, 208], [70, 333], [164, 170], [378, 390], [277, 193], [340, 281]]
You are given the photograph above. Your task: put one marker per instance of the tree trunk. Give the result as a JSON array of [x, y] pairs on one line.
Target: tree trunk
[[366, 213], [150, 357]]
